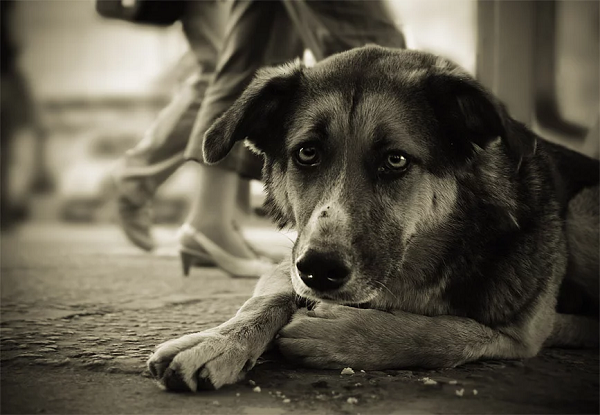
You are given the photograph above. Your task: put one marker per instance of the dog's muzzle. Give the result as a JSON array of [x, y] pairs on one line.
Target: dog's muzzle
[[322, 271]]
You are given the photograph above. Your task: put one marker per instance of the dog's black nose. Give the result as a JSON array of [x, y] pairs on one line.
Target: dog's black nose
[[323, 271]]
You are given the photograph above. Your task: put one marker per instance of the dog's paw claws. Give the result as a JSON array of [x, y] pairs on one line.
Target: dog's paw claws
[[174, 382], [203, 380], [202, 361], [249, 365], [157, 368]]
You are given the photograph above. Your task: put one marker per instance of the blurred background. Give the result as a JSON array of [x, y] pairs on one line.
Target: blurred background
[[95, 85]]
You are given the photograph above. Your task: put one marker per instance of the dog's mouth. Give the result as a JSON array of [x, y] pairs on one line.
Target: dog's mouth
[[310, 304]]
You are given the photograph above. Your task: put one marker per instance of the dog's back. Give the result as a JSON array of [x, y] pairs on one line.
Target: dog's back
[[576, 178]]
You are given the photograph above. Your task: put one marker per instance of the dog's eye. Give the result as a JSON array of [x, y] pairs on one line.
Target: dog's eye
[[394, 162], [308, 156]]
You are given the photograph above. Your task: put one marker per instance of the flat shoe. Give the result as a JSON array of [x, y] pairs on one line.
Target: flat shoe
[[135, 217]]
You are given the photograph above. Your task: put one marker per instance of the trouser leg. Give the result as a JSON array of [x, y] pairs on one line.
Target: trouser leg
[[328, 27], [258, 33], [160, 152]]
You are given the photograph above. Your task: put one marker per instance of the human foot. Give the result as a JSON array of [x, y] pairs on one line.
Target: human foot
[[196, 245], [135, 211], [228, 237]]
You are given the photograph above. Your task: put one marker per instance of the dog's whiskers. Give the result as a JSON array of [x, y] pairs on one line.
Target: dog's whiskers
[[290, 239], [388, 290]]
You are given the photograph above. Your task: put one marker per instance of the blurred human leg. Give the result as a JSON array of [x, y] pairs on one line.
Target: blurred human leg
[[328, 27], [19, 120], [22, 150], [251, 29], [160, 152], [217, 189], [146, 166]]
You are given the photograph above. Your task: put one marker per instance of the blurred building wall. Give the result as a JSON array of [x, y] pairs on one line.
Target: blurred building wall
[[578, 60], [444, 27], [71, 56], [69, 51]]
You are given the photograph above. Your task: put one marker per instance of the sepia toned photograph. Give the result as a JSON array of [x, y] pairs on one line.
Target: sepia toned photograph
[[265, 207]]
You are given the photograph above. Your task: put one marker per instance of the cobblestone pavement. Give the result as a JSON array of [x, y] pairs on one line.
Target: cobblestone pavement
[[82, 311]]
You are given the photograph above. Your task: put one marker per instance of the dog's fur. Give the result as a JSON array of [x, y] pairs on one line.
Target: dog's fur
[[459, 257]]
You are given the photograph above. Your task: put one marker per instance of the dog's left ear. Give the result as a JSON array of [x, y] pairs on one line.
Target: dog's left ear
[[258, 114], [468, 114]]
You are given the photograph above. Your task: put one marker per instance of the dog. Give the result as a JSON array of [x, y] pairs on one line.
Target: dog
[[433, 228]]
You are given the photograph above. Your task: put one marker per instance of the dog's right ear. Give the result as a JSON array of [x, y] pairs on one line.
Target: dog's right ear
[[470, 115], [257, 115]]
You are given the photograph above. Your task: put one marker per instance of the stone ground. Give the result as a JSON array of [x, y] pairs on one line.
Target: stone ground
[[81, 311]]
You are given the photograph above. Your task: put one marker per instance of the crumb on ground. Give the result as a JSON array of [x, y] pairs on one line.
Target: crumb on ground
[[428, 381]]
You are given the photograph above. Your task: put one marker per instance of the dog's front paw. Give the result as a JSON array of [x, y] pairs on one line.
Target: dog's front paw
[[205, 360], [330, 336]]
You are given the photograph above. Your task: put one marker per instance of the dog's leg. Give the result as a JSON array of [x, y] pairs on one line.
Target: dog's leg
[[573, 331], [222, 355], [333, 336], [579, 293]]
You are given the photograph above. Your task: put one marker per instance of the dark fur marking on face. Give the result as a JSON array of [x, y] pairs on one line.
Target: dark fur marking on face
[[357, 93]]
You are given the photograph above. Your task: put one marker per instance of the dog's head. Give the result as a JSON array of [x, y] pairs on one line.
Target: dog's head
[[362, 154]]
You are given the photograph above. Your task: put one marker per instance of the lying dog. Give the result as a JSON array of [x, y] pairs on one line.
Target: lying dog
[[446, 224]]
